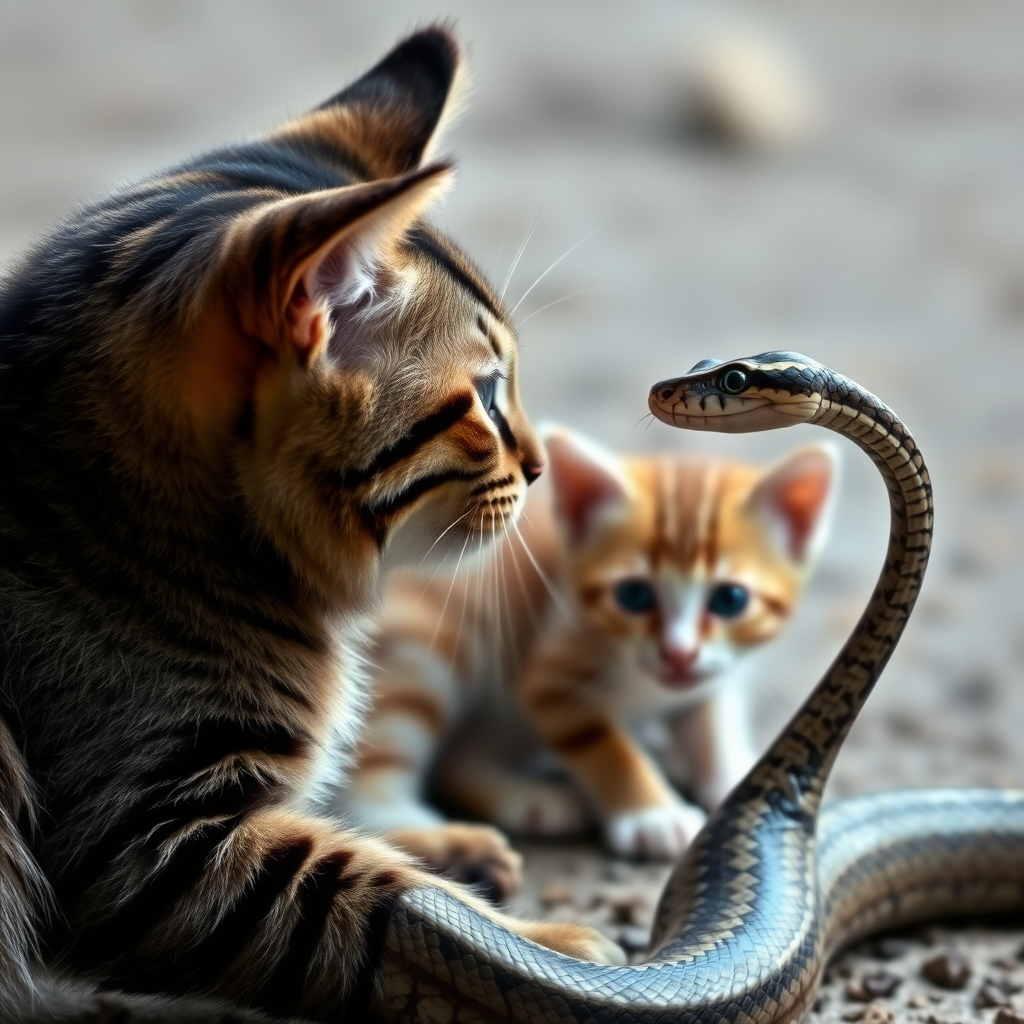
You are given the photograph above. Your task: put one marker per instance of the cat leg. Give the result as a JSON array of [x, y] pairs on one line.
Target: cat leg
[[641, 814], [715, 737], [269, 909], [414, 705]]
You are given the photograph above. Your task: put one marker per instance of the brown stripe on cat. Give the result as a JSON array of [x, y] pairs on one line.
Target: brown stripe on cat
[[580, 739], [375, 760], [488, 334]]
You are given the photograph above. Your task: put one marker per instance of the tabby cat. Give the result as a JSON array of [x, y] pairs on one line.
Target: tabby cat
[[665, 572], [232, 393]]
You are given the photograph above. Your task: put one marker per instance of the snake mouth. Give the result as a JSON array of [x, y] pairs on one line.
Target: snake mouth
[[728, 414]]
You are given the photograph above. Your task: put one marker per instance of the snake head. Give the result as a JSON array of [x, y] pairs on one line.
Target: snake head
[[763, 392]]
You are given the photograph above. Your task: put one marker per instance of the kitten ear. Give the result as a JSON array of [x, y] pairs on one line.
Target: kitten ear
[[588, 482], [793, 497], [304, 259], [392, 116]]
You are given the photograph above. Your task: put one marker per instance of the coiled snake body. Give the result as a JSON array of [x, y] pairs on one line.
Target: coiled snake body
[[770, 888]]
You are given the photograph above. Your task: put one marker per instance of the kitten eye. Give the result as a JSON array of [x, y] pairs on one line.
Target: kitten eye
[[485, 390], [636, 596], [728, 600]]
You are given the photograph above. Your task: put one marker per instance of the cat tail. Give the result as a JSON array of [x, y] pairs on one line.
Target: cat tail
[[24, 893]]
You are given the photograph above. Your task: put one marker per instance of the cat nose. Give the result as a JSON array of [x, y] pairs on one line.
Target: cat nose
[[532, 470], [678, 659]]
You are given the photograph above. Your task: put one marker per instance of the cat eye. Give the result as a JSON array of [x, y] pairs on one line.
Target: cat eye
[[733, 381], [486, 390], [728, 600], [636, 596]]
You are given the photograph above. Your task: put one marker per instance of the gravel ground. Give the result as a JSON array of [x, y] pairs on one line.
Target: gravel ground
[[892, 248]]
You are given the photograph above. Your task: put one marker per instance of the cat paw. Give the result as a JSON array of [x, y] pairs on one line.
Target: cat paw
[[654, 833], [477, 855], [575, 940]]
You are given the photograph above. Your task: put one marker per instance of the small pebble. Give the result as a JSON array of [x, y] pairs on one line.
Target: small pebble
[[1006, 1015], [949, 969], [555, 894], [618, 871], [991, 995], [876, 1013], [633, 939], [891, 948], [855, 990], [918, 1001], [879, 984]]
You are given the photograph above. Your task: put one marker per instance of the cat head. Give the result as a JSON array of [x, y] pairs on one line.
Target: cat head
[[687, 563], [293, 334]]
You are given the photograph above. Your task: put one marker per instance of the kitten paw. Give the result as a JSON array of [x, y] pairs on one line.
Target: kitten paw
[[476, 855], [575, 940], [654, 833]]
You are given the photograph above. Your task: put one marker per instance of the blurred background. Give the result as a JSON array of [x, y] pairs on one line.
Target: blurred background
[[872, 218]]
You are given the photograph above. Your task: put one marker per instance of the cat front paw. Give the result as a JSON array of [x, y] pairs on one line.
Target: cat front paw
[[476, 855], [575, 940], [654, 833]]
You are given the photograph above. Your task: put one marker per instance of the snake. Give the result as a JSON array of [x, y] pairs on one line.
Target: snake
[[774, 884]]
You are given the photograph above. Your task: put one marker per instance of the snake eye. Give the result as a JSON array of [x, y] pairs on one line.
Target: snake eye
[[728, 600], [733, 381]]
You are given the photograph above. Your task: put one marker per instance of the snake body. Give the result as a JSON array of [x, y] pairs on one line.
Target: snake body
[[771, 887]]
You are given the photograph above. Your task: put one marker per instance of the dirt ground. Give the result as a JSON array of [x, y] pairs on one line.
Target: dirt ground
[[891, 248]]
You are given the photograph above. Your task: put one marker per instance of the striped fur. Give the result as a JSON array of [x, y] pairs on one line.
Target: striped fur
[[582, 677], [232, 393]]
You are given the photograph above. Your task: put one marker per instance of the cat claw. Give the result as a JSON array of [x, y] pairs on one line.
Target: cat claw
[[654, 833]]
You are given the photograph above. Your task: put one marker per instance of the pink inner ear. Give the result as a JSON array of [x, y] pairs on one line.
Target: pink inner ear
[[582, 486], [799, 499], [306, 320]]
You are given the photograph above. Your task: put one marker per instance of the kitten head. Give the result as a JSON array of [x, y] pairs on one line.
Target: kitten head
[[688, 563], [278, 331]]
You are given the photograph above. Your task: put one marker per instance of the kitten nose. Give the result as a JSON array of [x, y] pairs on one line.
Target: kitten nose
[[678, 659], [532, 470]]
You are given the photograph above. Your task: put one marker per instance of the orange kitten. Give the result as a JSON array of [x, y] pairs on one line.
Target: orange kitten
[[663, 571]]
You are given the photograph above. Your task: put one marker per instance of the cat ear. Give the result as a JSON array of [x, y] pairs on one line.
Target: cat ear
[[793, 497], [392, 117], [306, 258], [588, 482]]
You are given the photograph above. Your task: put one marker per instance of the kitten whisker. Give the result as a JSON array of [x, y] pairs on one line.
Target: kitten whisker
[[649, 416], [454, 522], [522, 249], [448, 596], [556, 596], [564, 298], [587, 236]]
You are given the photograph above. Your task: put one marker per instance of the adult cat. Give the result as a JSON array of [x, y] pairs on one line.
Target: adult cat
[[232, 393]]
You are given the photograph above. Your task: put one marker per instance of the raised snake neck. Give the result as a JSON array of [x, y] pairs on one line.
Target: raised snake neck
[[767, 891]]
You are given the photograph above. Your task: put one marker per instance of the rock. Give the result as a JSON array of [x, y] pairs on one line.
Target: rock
[[880, 984], [991, 995], [891, 948], [949, 969], [741, 87], [918, 1001], [555, 894], [1006, 1015], [855, 990], [633, 939]]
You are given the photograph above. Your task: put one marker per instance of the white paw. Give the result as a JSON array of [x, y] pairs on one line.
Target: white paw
[[654, 833]]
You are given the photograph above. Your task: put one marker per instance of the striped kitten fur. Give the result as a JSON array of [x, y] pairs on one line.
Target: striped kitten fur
[[665, 572], [232, 393]]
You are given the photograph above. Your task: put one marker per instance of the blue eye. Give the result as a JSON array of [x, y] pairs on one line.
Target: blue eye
[[728, 600], [485, 392], [636, 596]]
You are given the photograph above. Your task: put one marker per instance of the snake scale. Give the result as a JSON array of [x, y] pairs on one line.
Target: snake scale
[[771, 887]]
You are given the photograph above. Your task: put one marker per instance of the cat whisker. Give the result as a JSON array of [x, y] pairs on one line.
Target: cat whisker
[[522, 249], [448, 596], [587, 236], [564, 298], [556, 596], [453, 523]]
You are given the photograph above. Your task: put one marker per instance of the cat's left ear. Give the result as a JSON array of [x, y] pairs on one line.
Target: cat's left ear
[[303, 263], [588, 482], [794, 498]]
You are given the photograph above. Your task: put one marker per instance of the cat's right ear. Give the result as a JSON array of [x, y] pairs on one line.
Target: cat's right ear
[[589, 484], [301, 264]]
